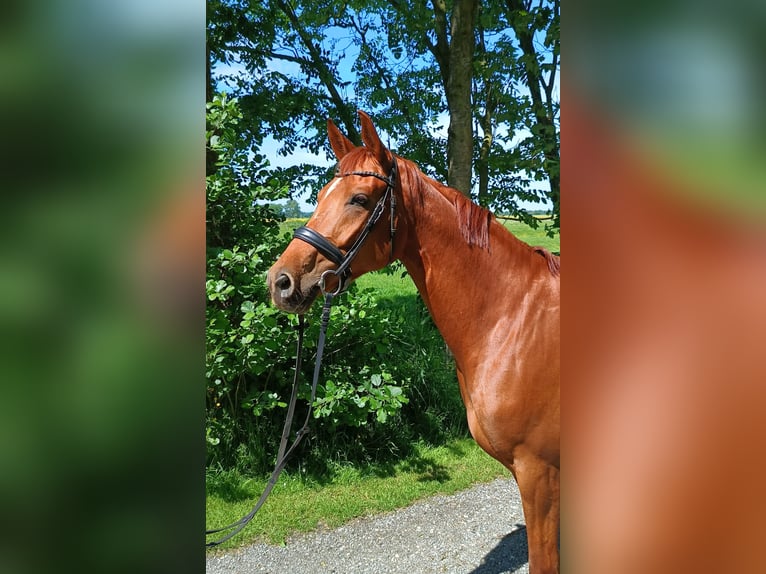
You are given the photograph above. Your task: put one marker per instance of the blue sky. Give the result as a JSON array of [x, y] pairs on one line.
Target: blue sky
[[270, 146]]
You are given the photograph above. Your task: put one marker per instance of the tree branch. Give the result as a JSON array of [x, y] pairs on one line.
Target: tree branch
[[326, 76], [543, 113], [441, 49]]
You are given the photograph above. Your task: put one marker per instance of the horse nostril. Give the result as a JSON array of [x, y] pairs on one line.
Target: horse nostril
[[283, 282]]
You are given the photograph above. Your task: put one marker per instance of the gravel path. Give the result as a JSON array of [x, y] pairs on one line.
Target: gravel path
[[477, 531]]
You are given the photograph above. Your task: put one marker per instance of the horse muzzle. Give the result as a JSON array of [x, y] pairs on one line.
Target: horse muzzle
[[290, 293]]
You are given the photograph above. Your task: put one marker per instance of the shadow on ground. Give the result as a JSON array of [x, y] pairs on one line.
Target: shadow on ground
[[509, 555], [234, 487], [428, 469]]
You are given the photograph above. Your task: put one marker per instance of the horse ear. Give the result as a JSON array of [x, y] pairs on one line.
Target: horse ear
[[340, 144], [371, 139]]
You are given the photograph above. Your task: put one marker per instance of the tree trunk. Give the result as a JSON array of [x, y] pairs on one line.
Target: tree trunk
[[458, 91], [453, 52]]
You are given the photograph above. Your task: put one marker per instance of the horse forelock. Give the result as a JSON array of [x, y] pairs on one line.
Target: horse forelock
[[353, 160], [360, 159]]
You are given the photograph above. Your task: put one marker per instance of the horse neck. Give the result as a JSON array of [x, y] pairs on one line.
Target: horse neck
[[464, 286]]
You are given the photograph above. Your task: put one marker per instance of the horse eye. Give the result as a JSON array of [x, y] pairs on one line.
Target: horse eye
[[359, 199]]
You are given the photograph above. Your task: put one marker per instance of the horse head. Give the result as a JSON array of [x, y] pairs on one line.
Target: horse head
[[351, 230]]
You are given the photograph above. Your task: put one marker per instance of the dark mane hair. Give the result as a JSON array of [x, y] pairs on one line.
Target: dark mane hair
[[553, 261], [472, 220]]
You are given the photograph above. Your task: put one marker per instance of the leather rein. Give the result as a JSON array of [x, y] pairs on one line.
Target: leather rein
[[343, 272]]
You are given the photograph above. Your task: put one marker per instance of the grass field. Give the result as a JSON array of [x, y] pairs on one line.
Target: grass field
[[301, 502], [299, 505], [532, 236]]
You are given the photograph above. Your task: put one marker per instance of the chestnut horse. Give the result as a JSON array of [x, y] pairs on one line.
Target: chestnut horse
[[494, 299]]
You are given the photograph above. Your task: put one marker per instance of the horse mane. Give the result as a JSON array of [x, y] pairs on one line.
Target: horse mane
[[553, 261], [472, 220]]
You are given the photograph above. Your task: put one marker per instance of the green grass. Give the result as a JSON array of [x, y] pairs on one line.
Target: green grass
[[299, 504], [389, 285], [531, 236]]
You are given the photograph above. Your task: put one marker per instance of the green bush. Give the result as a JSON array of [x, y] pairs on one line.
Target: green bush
[[378, 360]]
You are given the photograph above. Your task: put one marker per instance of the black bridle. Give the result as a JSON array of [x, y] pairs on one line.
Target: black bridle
[[343, 272], [331, 251]]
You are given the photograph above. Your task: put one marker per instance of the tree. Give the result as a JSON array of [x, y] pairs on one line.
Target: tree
[[528, 20], [291, 209], [490, 67], [236, 211], [453, 50]]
